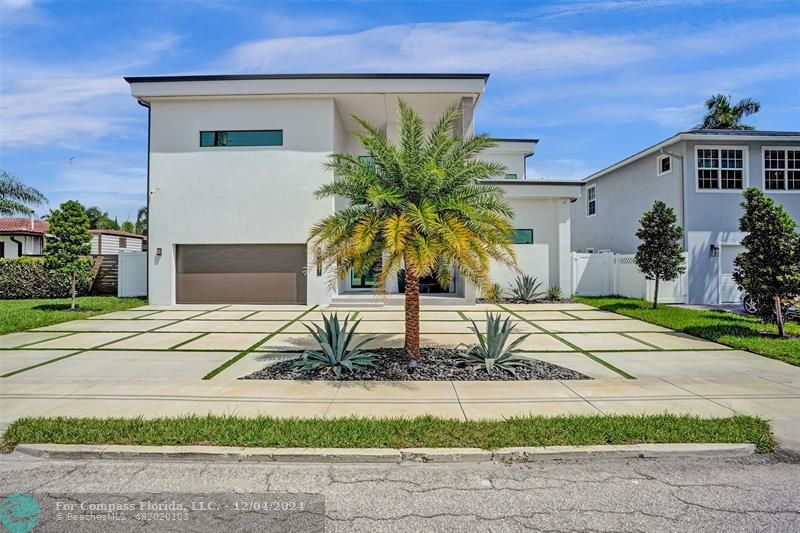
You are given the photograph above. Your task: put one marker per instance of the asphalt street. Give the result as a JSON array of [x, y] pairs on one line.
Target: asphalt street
[[760, 493]]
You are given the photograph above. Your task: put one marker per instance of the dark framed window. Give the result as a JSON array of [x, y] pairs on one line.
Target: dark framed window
[[123, 242], [241, 138], [522, 236], [510, 176], [664, 164], [591, 200]]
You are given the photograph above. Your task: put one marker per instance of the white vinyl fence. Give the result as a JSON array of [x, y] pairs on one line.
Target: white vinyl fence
[[132, 274], [607, 273]]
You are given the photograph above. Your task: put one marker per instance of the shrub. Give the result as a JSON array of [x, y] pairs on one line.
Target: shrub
[[493, 293], [525, 288], [334, 341], [491, 351], [554, 293], [27, 278]]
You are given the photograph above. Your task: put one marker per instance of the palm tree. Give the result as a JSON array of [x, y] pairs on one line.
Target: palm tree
[[418, 206], [141, 221], [722, 115], [16, 197]]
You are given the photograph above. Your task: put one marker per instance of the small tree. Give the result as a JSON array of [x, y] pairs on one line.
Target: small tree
[[660, 254], [770, 268], [68, 240]]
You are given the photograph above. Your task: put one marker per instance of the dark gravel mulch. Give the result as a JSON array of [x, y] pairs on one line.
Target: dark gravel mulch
[[436, 364]]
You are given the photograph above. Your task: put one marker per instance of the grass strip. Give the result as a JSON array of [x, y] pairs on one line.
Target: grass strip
[[37, 365], [22, 315], [423, 431], [737, 331], [249, 350]]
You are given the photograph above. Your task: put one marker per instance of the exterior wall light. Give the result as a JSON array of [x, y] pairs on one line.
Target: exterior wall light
[[714, 250], [158, 252]]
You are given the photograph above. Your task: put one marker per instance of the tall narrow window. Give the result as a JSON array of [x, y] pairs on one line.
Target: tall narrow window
[[591, 200], [720, 168], [664, 165], [241, 138], [782, 169]]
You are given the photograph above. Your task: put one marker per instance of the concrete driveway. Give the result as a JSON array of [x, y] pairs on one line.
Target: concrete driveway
[[151, 361]]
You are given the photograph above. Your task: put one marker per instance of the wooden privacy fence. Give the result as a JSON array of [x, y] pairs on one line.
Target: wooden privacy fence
[[607, 273]]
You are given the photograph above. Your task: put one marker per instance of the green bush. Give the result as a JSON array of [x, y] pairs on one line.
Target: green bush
[[27, 277]]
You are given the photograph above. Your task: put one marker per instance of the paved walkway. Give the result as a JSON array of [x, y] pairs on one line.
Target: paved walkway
[[151, 361]]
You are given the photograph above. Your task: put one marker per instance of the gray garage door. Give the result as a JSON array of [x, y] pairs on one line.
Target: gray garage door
[[241, 273]]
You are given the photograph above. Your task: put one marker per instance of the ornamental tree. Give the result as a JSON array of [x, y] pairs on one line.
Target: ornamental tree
[[769, 271], [68, 241], [421, 206], [660, 256]]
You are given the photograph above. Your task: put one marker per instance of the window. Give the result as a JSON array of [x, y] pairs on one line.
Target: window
[[241, 138], [510, 176], [664, 164], [720, 168], [590, 250], [782, 169], [367, 159], [522, 236], [123, 242], [591, 201]]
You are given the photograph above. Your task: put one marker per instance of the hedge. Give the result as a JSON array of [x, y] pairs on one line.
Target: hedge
[[27, 277]]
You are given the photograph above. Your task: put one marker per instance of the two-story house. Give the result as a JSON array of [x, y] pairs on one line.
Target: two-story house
[[234, 161], [700, 174]]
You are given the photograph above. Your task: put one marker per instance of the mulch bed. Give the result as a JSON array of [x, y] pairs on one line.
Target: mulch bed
[[436, 364]]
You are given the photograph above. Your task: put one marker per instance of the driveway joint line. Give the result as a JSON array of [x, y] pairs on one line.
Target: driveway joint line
[[33, 344], [579, 395], [248, 315], [458, 399], [627, 335], [566, 312], [667, 380], [148, 313], [201, 335], [43, 363]]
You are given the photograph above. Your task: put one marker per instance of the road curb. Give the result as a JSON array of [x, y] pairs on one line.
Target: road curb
[[383, 455]]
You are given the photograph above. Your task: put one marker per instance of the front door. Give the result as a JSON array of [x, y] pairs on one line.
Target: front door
[[363, 279]]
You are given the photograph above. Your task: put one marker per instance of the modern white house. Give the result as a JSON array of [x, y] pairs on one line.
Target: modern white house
[[22, 236], [234, 161], [700, 174]]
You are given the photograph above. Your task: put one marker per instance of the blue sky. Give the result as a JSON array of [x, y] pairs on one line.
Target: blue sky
[[594, 80]]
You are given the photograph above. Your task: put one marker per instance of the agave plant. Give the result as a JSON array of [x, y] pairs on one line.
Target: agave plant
[[335, 352], [554, 293], [493, 293], [491, 351], [525, 288]]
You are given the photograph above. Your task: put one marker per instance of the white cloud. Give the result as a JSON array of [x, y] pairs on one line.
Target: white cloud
[[42, 104], [589, 7], [443, 47]]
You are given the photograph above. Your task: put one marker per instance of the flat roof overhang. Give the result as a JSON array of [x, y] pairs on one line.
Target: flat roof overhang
[[146, 88], [539, 188]]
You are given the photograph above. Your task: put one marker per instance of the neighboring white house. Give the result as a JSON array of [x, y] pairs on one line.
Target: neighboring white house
[[22, 236], [700, 174], [112, 242], [234, 162]]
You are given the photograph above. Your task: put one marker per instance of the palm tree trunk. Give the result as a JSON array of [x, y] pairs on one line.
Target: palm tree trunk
[[412, 313], [72, 290]]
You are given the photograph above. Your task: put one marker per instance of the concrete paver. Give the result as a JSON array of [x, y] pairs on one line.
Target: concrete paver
[[11, 360], [106, 325], [173, 315], [123, 315], [394, 409], [603, 341], [498, 410], [544, 315], [578, 362], [225, 315], [694, 406], [283, 316], [15, 340], [153, 341], [82, 340], [223, 341], [513, 390], [689, 364], [598, 315], [225, 326], [677, 341], [598, 326]]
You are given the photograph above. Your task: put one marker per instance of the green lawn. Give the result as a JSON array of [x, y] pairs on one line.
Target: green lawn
[[738, 331], [20, 315], [424, 431]]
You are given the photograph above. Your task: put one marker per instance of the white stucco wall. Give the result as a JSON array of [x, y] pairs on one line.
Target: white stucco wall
[[224, 195], [31, 245], [110, 244]]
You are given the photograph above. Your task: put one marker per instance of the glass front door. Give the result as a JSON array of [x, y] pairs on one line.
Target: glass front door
[[364, 279]]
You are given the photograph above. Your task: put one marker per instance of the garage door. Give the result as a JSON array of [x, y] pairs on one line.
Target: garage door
[[729, 291], [241, 273]]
